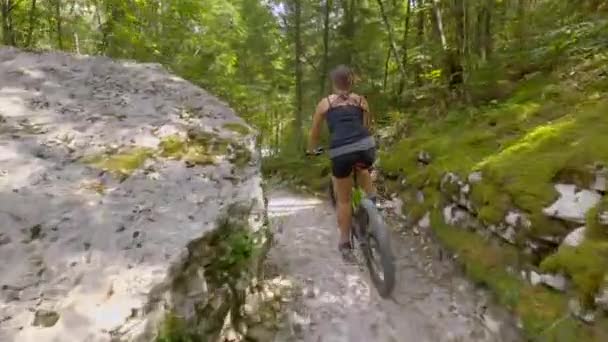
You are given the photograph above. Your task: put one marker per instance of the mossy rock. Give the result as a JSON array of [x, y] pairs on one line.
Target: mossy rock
[[121, 164], [203, 148], [586, 264], [172, 146], [543, 312]]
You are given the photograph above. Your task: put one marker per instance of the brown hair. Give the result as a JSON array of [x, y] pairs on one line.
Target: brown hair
[[342, 77]]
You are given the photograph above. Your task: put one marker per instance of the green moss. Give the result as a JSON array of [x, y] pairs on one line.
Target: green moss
[[493, 203], [586, 264], [121, 164], [237, 128], [175, 329], [203, 148], [240, 156], [172, 146], [544, 313], [595, 229]]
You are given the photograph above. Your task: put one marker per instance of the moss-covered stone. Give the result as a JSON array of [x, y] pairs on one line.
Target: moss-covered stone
[[586, 264], [172, 146], [121, 164], [229, 258], [544, 313], [203, 148]]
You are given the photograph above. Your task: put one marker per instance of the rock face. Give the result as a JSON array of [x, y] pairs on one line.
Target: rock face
[[125, 193]]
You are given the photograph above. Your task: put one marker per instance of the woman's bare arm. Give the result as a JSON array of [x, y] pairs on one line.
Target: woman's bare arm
[[317, 121]]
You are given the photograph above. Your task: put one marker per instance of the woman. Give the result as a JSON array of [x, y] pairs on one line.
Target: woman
[[348, 118]]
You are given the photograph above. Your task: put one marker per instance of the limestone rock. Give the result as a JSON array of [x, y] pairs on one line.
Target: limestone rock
[[424, 157], [535, 278], [475, 177], [504, 231], [97, 262], [555, 281], [452, 215], [599, 182], [575, 237], [572, 204], [603, 218], [517, 220], [601, 299], [425, 221], [577, 309]]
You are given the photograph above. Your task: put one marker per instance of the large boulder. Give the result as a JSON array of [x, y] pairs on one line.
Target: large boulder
[[126, 193]]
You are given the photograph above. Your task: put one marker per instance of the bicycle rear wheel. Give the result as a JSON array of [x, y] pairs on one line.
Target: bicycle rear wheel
[[377, 248]]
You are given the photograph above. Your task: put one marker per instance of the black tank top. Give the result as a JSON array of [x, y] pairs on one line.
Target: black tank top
[[345, 123]]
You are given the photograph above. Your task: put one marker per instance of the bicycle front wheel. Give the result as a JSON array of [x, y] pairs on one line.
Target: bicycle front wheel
[[377, 249]]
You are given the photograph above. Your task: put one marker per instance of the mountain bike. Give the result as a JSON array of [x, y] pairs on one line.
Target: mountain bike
[[372, 235]]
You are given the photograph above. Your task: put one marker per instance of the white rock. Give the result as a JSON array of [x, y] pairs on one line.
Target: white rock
[[575, 237], [599, 183], [572, 205], [603, 218], [601, 299], [453, 215], [425, 221], [420, 197], [475, 177], [556, 281], [516, 219], [535, 278], [578, 311], [98, 261]]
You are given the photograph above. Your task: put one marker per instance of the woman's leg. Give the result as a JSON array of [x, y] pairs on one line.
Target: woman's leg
[[364, 180], [364, 177], [343, 188]]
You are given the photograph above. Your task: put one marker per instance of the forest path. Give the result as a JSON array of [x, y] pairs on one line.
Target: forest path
[[337, 302]]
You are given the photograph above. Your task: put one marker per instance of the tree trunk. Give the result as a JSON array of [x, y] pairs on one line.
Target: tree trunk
[[406, 30], [391, 41], [386, 64], [8, 33], [298, 66], [419, 40], [438, 25], [325, 63], [458, 11], [488, 39], [349, 7], [58, 24], [32, 24], [520, 32], [484, 30]]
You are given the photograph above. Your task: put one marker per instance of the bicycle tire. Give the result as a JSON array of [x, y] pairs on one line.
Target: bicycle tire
[[378, 231]]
